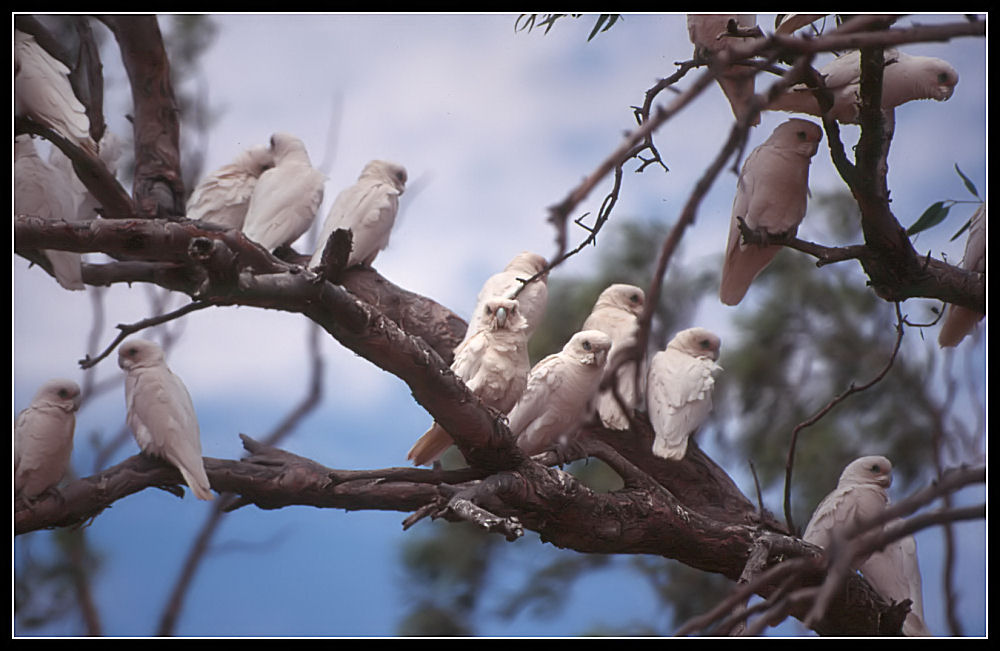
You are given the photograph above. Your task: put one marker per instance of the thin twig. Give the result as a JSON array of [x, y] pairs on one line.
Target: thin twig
[[126, 329]]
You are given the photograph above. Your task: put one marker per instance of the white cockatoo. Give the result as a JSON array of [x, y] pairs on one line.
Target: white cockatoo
[[287, 196], [559, 394], [43, 438], [616, 314], [42, 92], [679, 388], [894, 572], [861, 495], [86, 204], [161, 414], [905, 78], [223, 196], [532, 299], [368, 209], [710, 35], [41, 190], [493, 363], [771, 196], [959, 321]]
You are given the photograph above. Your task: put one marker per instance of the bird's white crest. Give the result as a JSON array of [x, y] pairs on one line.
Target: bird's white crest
[[42, 92], [559, 391], [959, 321], [43, 438], [161, 414], [43, 191], [906, 78], [679, 388], [368, 209], [285, 200], [710, 35], [223, 196], [616, 313], [493, 363], [771, 197], [861, 495], [532, 299]]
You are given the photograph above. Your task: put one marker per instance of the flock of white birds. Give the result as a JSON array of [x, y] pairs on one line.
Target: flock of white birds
[[273, 194]]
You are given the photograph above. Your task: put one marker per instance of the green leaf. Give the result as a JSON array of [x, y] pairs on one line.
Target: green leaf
[[611, 19], [961, 230], [933, 216], [969, 185]]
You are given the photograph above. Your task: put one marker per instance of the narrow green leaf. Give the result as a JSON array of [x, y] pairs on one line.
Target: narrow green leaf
[[961, 230], [933, 216], [610, 19], [969, 185]]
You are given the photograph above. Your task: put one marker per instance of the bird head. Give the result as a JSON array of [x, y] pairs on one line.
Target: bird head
[[697, 342], [257, 160], [803, 136], [392, 173], [589, 347], [868, 470], [285, 144], [503, 314], [64, 394], [528, 263], [136, 353], [626, 297]]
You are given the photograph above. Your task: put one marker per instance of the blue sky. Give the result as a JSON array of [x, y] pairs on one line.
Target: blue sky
[[496, 126]]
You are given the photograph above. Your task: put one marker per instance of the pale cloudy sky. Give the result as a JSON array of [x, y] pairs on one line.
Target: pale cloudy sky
[[493, 126]]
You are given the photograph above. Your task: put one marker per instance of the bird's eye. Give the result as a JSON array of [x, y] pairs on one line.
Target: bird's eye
[[489, 310], [586, 345], [875, 468], [705, 343], [801, 135], [634, 298], [63, 393], [942, 77]]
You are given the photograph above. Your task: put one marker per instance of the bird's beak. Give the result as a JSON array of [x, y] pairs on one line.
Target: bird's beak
[[501, 317]]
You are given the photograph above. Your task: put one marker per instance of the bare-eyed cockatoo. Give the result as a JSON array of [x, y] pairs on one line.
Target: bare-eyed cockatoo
[[679, 388], [493, 363], [161, 414], [559, 394], [42, 92], [287, 196], [959, 321], [894, 572], [861, 496], [771, 196], [616, 314], [86, 204], [41, 190], [368, 209], [905, 78], [43, 438], [223, 196], [710, 35], [532, 299]]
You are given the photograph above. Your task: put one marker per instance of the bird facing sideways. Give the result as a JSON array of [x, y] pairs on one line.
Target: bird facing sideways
[[559, 393], [493, 363], [368, 209], [771, 198], [43, 438], [679, 388], [616, 313], [161, 414]]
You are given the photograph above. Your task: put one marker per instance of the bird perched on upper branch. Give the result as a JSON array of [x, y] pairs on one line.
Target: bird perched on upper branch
[[711, 34], [287, 196], [771, 196], [368, 209]]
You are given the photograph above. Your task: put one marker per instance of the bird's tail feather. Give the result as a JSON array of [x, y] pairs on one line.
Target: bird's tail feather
[[430, 446]]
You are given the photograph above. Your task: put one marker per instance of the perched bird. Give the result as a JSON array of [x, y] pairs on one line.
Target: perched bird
[[223, 196], [161, 414], [959, 321], [86, 204], [770, 198], [493, 363], [42, 92], [287, 196], [860, 496], [679, 389], [41, 190], [532, 299], [905, 78], [710, 35], [616, 314], [368, 209], [894, 572], [560, 389], [43, 438]]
